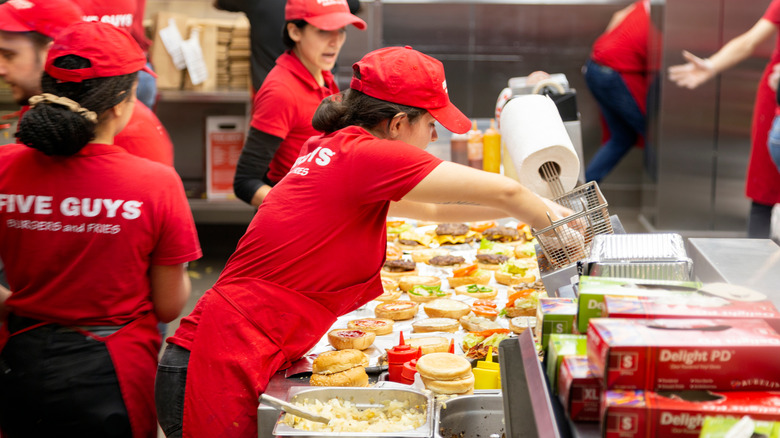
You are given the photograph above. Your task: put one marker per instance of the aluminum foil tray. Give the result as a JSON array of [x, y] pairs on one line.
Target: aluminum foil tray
[[659, 256], [360, 396]]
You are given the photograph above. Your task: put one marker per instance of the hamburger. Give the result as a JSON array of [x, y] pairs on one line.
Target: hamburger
[[340, 368], [395, 228], [428, 325], [415, 239], [430, 344], [446, 308], [423, 294], [350, 339], [422, 255], [396, 310], [503, 235], [477, 344], [390, 290], [398, 268], [470, 274], [393, 253], [522, 303], [447, 261], [380, 326], [454, 233], [522, 323], [477, 291], [408, 282], [446, 374], [515, 272], [474, 323], [485, 309], [491, 261]]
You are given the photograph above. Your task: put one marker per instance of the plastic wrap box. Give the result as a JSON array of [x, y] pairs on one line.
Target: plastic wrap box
[[579, 389], [555, 316], [593, 289], [715, 300], [682, 354], [560, 347], [640, 414]]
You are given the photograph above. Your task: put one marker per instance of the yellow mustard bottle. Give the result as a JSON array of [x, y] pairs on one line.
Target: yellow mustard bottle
[[491, 149]]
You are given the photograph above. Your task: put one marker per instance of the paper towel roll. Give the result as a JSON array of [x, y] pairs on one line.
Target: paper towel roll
[[533, 134]]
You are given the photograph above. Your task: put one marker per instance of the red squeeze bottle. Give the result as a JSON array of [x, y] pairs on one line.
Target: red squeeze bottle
[[410, 369], [452, 346], [396, 357]]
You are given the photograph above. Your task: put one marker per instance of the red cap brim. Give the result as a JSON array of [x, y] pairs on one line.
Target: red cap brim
[[336, 20], [451, 118], [149, 70]]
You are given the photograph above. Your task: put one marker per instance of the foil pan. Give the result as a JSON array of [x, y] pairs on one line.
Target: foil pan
[[659, 256]]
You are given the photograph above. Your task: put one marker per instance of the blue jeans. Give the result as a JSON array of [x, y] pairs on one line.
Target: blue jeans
[[147, 88], [773, 142], [622, 115], [169, 389]]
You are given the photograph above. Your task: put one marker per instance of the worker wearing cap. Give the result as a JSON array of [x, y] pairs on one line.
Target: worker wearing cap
[[95, 242], [314, 33], [27, 28], [316, 246]]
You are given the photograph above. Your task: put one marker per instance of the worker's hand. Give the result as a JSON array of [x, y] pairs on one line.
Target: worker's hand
[[693, 73], [774, 77], [557, 211]]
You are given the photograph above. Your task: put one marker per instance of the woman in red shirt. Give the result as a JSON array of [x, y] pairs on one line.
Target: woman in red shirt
[[281, 121], [316, 246]]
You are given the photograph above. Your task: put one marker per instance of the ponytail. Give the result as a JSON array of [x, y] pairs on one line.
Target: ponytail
[[355, 108]]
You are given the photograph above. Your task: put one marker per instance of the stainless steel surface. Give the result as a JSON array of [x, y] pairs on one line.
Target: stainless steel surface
[[362, 396], [753, 263], [470, 416], [701, 138], [292, 409]]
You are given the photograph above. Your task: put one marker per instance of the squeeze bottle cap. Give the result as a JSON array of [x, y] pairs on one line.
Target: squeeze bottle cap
[[488, 363], [486, 375], [400, 353]]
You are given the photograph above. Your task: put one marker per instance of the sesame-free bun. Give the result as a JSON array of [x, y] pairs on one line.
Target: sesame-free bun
[[331, 362], [446, 308], [380, 326], [422, 255], [444, 366], [463, 290], [430, 344], [428, 325], [408, 282], [478, 277], [450, 387], [396, 310], [396, 275], [520, 324], [352, 377], [514, 279], [342, 339], [389, 295], [474, 323]]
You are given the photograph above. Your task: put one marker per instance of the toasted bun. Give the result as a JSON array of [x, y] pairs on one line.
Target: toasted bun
[[522, 323], [393, 253], [337, 361], [342, 339], [474, 323], [463, 290], [487, 266], [422, 255], [428, 325], [396, 310], [514, 312], [380, 326], [512, 280], [408, 282], [396, 275], [352, 377], [444, 366], [430, 344], [446, 308], [479, 277], [429, 298], [388, 295], [459, 386]]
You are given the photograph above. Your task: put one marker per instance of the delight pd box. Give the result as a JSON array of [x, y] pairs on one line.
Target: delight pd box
[[681, 354]]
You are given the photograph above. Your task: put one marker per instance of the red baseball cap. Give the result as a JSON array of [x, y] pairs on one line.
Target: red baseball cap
[[110, 50], [405, 76], [322, 14], [47, 17]]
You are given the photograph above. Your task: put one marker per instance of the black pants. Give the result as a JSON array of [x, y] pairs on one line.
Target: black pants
[[169, 389], [759, 221], [58, 382]]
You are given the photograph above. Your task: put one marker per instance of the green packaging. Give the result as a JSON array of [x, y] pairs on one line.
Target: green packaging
[[555, 316], [723, 427], [593, 289], [561, 346]]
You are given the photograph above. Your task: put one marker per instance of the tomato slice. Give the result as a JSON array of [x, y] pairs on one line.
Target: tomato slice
[[395, 223], [482, 226], [465, 271], [486, 333], [485, 303], [484, 311], [517, 295]]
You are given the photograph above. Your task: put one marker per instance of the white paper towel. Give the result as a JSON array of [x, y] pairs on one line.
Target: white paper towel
[[533, 134]]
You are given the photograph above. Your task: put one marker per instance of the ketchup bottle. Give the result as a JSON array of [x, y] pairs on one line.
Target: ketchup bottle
[[396, 357], [410, 369], [474, 145]]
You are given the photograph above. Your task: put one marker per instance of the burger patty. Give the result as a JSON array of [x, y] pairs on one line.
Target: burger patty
[[492, 259], [408, 242], [502, 234], [452, 229], [446, 260], [400, 265]]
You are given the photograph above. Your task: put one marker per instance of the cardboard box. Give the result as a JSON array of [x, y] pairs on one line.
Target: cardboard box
[[225, 136], [726, 427], [555, 316], [681, 354], [560, 347], [593, 289], [640, 414], [717, 300], [579, 389]]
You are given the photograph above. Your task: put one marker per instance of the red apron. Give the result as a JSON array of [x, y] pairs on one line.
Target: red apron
[[248, 330], [133, 350]]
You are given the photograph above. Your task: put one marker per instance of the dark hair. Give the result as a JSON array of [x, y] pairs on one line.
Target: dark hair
[[288, 42], [359, 109], [56, 130], [39, 40]]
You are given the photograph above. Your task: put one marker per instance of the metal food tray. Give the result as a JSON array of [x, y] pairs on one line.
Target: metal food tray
[[360, 396], [659, 256], [569, 240]]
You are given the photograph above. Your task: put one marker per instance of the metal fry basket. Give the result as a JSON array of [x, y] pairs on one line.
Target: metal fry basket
[[569, 240]]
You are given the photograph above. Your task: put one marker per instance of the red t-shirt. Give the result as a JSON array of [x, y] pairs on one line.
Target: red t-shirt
[[78, 234], [763, 180], [125, 14], [146, 137], [284, 107], [322, 228]]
